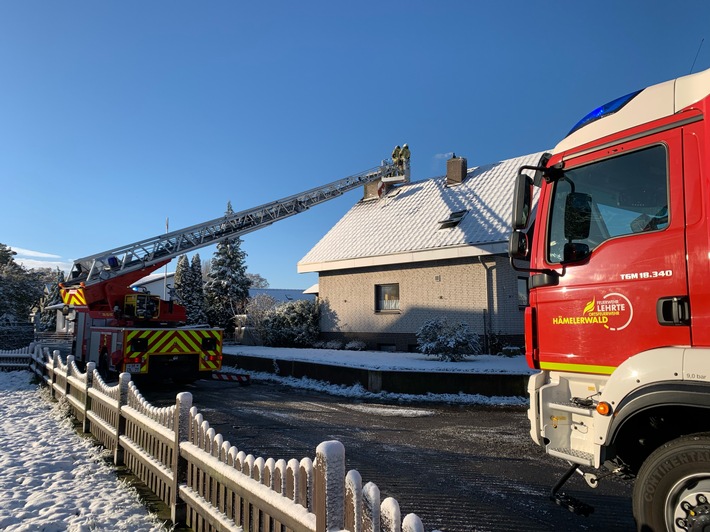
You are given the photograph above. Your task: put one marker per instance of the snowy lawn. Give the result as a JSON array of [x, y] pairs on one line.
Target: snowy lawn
[[382, 361], [51, 479], [385, 361]]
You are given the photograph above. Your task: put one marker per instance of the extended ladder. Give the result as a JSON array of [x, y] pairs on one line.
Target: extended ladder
[[160, 249]]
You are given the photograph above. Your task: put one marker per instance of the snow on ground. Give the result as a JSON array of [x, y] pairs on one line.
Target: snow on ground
[[51, 479], [384, 361]]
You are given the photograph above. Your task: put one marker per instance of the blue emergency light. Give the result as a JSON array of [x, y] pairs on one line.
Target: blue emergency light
[[605, 110]]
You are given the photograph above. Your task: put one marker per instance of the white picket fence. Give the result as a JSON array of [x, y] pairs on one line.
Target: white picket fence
[[208, 483]]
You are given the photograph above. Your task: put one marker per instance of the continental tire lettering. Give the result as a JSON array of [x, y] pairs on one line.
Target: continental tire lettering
[[655, 478]]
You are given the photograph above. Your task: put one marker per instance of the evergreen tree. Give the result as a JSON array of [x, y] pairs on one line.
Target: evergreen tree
[[198, 313], [7, 256], [20, 289], [48, 318], [227, 290], [181, 280], [189, 289], [257, 281]]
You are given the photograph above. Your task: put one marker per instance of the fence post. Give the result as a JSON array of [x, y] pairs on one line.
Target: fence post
[[53, 378], [390, 515], [67, 386], [353, 501], [371, 508], [123, 380], [329, 492], [88, 383], [181, 428], [412, 523]]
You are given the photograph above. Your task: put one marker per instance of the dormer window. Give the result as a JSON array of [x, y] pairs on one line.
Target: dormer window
[[453, 220]]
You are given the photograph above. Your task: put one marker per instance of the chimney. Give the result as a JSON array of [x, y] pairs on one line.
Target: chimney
[[455, 170], [375, 190]]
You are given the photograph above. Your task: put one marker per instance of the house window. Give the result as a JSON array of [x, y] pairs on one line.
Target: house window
[[386, 297]]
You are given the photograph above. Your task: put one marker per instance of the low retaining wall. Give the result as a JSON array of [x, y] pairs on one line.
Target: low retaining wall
[[409, 382]]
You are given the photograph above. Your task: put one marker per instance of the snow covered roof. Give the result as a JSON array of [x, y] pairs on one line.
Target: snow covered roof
[[313, 289], [281, 295], [423, 221], [153, 277]]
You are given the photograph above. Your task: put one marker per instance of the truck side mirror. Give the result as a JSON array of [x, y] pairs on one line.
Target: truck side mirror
[[578, 216], [518, 247], [522, 201], [575, 252]]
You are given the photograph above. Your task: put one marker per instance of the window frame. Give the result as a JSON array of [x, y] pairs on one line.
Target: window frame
[[380, 299], [554, 211]]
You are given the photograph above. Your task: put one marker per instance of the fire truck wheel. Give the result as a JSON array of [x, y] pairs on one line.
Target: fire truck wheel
[[672, 489]]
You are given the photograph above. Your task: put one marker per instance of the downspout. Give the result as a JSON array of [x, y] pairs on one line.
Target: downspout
[[487, 327]]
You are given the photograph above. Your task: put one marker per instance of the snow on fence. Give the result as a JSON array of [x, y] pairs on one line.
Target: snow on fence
[[14, 359], [207, 483]]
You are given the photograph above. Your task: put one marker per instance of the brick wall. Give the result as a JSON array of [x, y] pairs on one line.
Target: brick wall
[[482, 293]]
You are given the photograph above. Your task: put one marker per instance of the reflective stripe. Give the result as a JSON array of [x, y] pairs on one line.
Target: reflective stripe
[[73, 296], [577, 368], [176, 342]]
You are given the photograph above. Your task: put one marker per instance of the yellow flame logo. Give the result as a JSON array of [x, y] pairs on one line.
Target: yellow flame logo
[[589, 306]]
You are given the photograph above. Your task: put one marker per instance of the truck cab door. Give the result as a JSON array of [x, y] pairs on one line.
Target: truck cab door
[[614, 231]]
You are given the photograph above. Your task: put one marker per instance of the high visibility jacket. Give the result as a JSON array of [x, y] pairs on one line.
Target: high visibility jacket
[[404, 153]]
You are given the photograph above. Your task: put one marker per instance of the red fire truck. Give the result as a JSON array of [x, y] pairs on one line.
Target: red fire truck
[[121, 330], [613, 228]]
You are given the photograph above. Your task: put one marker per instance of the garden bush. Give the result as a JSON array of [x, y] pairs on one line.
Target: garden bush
[[292, 324], [447, 341]]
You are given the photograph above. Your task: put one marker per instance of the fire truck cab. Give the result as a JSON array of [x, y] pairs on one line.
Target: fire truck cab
[[618, 321]]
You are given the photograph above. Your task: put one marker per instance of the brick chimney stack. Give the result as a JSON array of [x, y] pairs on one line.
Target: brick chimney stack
[[455, 170]]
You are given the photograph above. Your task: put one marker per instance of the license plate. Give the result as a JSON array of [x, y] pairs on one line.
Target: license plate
[[133, 368]]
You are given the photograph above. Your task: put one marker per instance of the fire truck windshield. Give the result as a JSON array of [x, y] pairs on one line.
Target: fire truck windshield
[[614, 197]]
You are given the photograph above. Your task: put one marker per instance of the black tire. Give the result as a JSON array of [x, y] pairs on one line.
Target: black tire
[[674, 476]]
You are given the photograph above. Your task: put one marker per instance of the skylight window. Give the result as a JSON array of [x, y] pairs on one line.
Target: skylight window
[[453, 220]]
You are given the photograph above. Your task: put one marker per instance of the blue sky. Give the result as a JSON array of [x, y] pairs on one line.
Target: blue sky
[[117, 115]]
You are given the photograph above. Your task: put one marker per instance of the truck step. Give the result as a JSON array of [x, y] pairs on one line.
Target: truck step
[[572, 455], [573, 504], [242, 378]]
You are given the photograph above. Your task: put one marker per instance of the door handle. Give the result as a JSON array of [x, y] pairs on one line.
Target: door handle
[[674, 310]]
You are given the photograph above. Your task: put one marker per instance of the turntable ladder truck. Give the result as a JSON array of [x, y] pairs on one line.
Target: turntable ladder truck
[[122, 330]]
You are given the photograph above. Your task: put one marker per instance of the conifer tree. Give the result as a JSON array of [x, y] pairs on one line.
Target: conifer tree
[[181, 280], [198, 314], [20, 289], [227, 290], [48, 318]]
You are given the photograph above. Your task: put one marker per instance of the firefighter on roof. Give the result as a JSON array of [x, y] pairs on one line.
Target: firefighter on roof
[[396, 156], [404, 156]]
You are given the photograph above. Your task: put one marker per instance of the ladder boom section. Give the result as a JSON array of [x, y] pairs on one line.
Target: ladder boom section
[[162, 248]]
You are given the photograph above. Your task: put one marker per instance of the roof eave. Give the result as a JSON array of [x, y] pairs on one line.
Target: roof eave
[[409, 257]]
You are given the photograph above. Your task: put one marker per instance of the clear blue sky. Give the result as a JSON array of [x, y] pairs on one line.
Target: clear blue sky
[[116, 115]]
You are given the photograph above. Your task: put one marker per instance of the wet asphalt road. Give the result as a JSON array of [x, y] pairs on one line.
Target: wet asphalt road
[[459, 468]]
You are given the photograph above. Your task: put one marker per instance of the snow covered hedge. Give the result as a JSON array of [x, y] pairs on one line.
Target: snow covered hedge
[[292, 324], [447, 341]]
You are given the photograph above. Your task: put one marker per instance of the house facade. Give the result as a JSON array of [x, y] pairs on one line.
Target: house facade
[[416, 251]]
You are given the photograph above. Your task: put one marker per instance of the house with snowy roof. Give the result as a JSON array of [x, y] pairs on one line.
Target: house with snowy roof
[[433, 248]]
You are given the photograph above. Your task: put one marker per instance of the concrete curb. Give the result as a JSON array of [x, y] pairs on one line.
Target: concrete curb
[[408, 382]]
